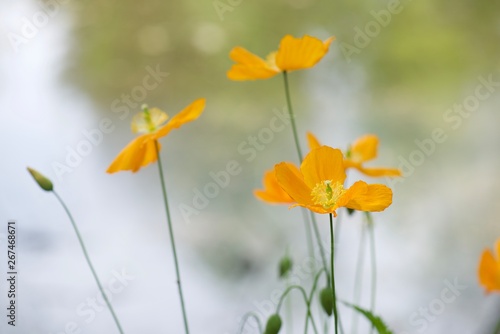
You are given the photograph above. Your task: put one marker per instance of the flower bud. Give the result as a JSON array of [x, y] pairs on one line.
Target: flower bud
[[273, 325], [326, 299], [285, 266], [42, 181]]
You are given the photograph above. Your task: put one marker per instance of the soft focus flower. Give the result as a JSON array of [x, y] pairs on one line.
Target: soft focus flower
[[319, 186], [151, 122], [293, 54], [489, 269], [272, 192], [362, 150]]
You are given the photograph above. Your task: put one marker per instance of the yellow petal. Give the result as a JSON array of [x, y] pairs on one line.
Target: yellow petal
[[378, 172], [364, 149], [489, 272], [322, 164], [272, 192], [138, 153], [292, 183], [300, 53], [312, 141], [249, 66], [367, 197], [190, 113]]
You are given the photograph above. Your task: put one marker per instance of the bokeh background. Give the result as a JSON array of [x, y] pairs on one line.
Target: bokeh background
[[67, 65]]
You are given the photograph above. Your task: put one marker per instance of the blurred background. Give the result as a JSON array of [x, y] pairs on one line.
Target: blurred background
[[422, 75]]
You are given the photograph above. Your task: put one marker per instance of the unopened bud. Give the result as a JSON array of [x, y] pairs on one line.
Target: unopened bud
[[326, 299], [273, 325], [285, 266], [42, 181]]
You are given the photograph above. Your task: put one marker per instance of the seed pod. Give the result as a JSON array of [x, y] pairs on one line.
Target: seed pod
[[42, 181], [285, 266], [326, 299], [273, 325]]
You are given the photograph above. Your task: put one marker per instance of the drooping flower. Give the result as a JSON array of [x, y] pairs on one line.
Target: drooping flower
[[293, 54], [152, 123], [320, 185], [362, 150], [489, 269], [272, 192]]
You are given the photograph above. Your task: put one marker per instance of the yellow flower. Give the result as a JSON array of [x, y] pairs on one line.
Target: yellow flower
[[151, 122], [320, 185], [293, 54], [362, 150], [489, 269], [272, 192]]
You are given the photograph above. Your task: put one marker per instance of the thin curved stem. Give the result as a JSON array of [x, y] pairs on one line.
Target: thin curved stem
[[332, 271], [301, 158], [358, 287], [247, 316], [313, 289], [307, 301], [85, 253], [172, 239]]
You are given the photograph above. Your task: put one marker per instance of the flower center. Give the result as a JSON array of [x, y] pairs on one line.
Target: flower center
[[327, 193], [148, 120]]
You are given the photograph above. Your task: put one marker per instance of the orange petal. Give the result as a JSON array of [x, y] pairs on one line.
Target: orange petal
[[312, 141], [249, 66], [366, 197], [138, 153], [292, 182], [272, 192], [489, 272], [378, 172], [364, 149], [190, 113], [300, 53], [321, 164]]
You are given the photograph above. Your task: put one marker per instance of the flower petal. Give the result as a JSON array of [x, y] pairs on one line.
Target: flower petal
[[138, 153], [249, 66], [292, 182], [364, 149], [300, 53], [379, 171], [190, 113], [366, 197], [489, 271], [321, 164], [312, 141], [272, 192]]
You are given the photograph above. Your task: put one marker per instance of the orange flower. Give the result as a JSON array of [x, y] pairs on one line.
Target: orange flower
[[320, 185], [272, 192], [489, 269], [362, 150], [293, 54], [141, 151]]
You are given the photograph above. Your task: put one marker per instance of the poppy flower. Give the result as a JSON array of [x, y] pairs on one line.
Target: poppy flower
[[320, 185], [152, 123], [272, 192], [362, 150], [293, 54], [489, 269]]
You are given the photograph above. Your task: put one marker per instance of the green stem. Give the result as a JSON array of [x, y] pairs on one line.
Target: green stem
[[172, 239], [332, 268], [89, 262], [309, 240], [497, 328], [292, 116], [313, 289], [357, 278], [371, 231], [307, 301], [301, 158], [248, 316]]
